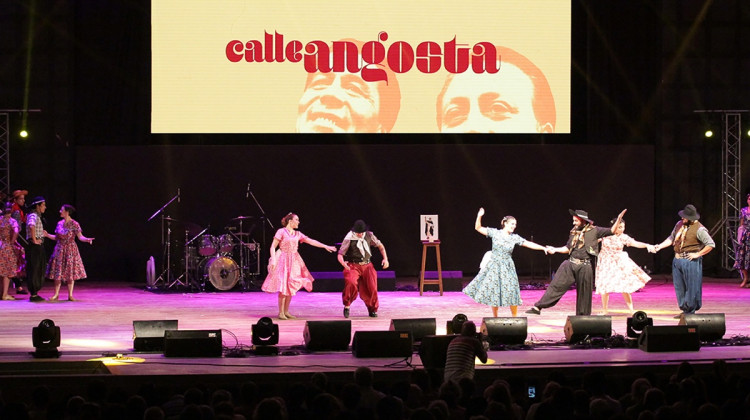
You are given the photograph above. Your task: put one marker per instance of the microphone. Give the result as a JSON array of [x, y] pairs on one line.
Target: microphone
[[178, 194], [247, 194]]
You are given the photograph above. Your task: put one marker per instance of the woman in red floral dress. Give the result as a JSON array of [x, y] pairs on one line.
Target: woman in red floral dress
[[8, 236], [66, 265], [287, 272]]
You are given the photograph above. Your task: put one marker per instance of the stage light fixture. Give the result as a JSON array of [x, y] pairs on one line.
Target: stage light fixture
[[708, 133], [46, 339], [454, 325], [265, 337], [24, 134], [637, 323]]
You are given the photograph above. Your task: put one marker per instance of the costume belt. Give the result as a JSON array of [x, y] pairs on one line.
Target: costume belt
[[359, 262], [681, 255], [577, 261]]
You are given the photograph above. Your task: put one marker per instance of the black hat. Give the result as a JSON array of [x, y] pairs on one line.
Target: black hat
[[581, 214], [359, 226], [689, 212], [37, 200]]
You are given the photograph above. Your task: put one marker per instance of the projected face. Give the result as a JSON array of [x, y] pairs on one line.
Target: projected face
[[490, 103], [339, 103]]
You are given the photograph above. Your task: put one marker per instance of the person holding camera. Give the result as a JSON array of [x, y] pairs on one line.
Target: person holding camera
[[459, 359]]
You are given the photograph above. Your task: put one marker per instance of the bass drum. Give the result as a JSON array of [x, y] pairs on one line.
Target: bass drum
[[222, 272]]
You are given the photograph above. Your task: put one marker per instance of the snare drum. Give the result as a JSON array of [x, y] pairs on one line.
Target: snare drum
[[222, 272], [226, 243], [207, 245]]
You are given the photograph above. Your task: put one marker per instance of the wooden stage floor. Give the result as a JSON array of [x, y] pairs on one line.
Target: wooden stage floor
[[100, 323]]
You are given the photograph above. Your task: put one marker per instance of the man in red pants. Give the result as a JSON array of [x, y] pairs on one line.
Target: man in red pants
[[354, 255]]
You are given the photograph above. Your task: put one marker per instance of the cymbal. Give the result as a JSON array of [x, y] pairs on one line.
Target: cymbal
[[243, 217]]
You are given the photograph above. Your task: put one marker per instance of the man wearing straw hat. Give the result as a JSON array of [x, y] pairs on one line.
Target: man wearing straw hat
[[691, 241], [36, 258]]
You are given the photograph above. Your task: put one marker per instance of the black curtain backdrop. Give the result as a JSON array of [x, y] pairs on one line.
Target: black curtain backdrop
[[330, 186]]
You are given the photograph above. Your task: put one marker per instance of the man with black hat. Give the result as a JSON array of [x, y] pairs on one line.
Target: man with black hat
[[354, 255], [691, 241], [583, 245], [36, 258]]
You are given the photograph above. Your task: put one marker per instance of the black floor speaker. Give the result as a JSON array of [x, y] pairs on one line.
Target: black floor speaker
[[327, 335], [512, 330], [579, 327], [711, 327], [419, 327], [149, 335], [433, 350], [669, 338], [192, 343], [382, 344]]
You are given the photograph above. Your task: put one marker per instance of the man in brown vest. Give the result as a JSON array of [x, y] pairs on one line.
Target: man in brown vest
[[691, 241]]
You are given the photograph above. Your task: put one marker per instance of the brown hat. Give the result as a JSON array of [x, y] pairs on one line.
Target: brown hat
[[18, 193], [689, 212]]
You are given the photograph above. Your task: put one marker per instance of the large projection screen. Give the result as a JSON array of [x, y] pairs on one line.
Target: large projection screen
[[287, 66]]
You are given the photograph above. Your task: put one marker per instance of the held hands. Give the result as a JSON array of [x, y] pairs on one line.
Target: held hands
[[652, 249], [549, 250], [330, 248]]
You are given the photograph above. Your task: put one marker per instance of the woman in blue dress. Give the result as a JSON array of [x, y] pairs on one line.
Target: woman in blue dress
[[496, 284]]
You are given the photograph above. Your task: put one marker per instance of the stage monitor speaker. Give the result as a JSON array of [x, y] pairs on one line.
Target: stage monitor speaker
[[501, 330], [669, 338], [711, 327], [419, 327], [149, 335], [578, 327], [434, 349], [192, 343], [382, 344], [327, 335]]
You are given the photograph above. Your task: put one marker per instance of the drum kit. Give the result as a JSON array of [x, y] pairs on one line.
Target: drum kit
[[204, 260]]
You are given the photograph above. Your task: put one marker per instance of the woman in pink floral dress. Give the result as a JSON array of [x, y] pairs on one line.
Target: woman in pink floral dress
[[287, 272], [8, 262], [615, 271], [66, 265]]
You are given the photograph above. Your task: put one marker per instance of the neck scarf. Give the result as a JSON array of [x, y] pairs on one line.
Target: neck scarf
[[361, 243]]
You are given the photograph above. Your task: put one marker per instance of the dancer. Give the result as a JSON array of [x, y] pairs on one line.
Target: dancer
[[582, 246], [66, 265], [287, 272], [18, 200], [36, 257], [691, 241], [496, 284], [8, 236], [742, 255], [354, 256], [615, 271]]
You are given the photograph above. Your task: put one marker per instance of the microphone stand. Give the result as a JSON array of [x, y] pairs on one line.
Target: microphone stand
[[264, 220], [166, 275]]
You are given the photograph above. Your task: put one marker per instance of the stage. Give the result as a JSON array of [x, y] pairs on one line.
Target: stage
[[100, 324]]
